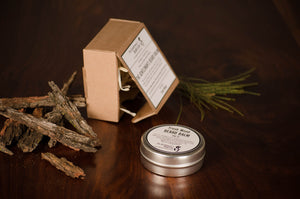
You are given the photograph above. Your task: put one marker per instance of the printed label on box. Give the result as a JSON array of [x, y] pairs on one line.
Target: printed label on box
[[149, 67]]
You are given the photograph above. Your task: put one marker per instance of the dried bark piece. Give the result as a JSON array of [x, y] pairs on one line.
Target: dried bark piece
[[11, 130], [77, 100], [67, 85], [36, 101], [31, 138], [25, 102], [65, 136], [4, 149], [51, 143], [70, 111], [5, 126], [55, 116], [64, 165]]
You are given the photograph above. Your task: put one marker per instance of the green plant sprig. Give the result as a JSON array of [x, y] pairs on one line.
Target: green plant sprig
[[204, 94]]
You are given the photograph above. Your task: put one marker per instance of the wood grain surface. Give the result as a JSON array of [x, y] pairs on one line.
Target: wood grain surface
[[255, 156]]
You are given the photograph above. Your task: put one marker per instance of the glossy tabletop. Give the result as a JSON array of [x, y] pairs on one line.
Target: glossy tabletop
[[255, 156]]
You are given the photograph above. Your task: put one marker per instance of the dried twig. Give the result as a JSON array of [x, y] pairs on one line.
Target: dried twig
[[34, 102], [31, 138], [67, 84], [70, 111], [4, 149], [12, 130], [64, 165], [59, 133], [37, 126], [55, 115]]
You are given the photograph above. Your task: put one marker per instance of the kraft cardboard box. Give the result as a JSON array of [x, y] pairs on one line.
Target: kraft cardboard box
[[125, 47]]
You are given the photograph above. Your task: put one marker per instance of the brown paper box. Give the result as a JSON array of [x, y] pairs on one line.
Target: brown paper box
[[130, 44]]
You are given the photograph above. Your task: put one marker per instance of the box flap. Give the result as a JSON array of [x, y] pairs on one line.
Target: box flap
[[144, 112], [114, 35], [149, 68], [101, 85]]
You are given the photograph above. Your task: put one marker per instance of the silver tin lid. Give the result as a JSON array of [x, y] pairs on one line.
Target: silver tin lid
[[172, 150]]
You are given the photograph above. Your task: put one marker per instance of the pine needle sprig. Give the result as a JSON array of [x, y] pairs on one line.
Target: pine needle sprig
[[204, 94]]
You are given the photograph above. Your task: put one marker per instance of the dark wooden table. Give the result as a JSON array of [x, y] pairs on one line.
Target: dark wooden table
[[255, 156]]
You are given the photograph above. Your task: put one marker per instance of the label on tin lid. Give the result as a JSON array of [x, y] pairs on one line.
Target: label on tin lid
[[173, 139]]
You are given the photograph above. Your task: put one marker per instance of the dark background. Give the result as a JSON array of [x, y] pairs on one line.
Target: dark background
[[255, 156]]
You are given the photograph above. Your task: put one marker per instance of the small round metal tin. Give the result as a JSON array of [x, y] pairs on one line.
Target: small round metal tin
[[172, 150]]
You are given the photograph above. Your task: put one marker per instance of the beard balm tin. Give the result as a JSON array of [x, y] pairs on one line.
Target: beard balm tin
[[172, 150]]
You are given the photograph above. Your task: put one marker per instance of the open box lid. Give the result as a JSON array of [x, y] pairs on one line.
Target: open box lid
[[140, 55]]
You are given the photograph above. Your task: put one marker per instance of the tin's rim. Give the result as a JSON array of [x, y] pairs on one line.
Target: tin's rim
[[171, 171], [173, 166]]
